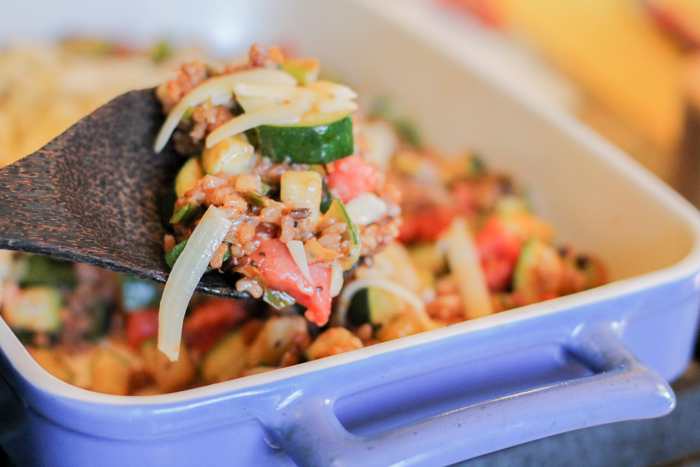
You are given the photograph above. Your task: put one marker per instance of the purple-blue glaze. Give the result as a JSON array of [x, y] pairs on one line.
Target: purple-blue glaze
[[429, 404]]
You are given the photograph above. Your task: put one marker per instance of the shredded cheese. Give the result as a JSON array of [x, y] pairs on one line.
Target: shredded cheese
[[269, 115], [216, 89], [185, 276]]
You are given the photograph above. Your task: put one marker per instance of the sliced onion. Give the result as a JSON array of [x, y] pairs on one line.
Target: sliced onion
[[365, 209], [334, 89], [335, 104], [336, 278], [296, 248], [215, 88], [272, 115], [464, 262], [185, 276], [271, 91]]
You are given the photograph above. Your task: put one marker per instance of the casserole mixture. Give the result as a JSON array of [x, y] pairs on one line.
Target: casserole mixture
[[349, 229]]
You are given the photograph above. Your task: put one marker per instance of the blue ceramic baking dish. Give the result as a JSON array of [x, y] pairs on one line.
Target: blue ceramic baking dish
[[436, 398]]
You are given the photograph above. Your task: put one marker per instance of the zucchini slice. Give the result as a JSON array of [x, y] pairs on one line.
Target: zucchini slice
[[190, 173], [337, 211], [319, 138]]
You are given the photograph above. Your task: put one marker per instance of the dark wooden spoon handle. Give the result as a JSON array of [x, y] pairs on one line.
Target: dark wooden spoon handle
[[93, 194]]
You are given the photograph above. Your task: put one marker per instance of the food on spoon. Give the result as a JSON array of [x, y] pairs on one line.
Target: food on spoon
[[98, 330], [276, 157]]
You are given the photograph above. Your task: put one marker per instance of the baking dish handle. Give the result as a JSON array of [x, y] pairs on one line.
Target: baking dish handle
[[619, 389]]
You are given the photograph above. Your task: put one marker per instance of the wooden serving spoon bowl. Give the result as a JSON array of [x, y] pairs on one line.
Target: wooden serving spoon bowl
[[95, 194]]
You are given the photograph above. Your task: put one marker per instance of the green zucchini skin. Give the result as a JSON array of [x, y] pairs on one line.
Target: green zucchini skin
[[318, 144]]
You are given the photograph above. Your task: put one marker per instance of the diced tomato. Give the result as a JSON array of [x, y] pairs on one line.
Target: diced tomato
[[210, 321], [499, 250], [280, 272], [464, 199], [425, 225], [494, 239], [351, 177], [498, 272], [141, 325]]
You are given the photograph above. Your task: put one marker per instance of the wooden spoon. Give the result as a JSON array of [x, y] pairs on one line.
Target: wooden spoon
[[95, 194]]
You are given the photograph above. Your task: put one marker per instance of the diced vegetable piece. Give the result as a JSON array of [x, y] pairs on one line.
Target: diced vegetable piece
[[404, 324], [337, 213], [31, 270], [337, 278], [111, 373], [249, 182], [303, 189], [539, 271], [137, 293], [50, 361], [277, 299], [186, 213], [231, 156], [190, 173], [352, 176], [464, 263], [318, 138], [170, 375], [376, 306], [277, 336], [226, 360], [279, 272], [365, 209], [209, 321], [172, 255], [141, 325], [428, 256], [395, 263], [216, 88], [499, 248], [379, 142], [333, 341], [303, 70], [185, 275], [284, 114], [35, 308]]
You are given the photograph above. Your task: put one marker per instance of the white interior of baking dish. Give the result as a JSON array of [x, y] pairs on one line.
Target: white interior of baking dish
[[597, 197]]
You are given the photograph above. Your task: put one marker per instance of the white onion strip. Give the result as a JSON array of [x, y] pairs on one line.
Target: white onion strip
[[394, 288], [296, 249], [271, 91], [463, 260], [214, 88], [185, 276], [273, 115]]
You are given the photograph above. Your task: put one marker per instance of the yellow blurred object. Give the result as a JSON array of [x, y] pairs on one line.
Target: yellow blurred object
[[617, 55]]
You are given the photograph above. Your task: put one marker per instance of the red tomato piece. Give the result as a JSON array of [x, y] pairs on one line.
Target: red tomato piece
[[141, 325], [425, 225], [499, 250], [279, 272], [351, 177], [209, 321]]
